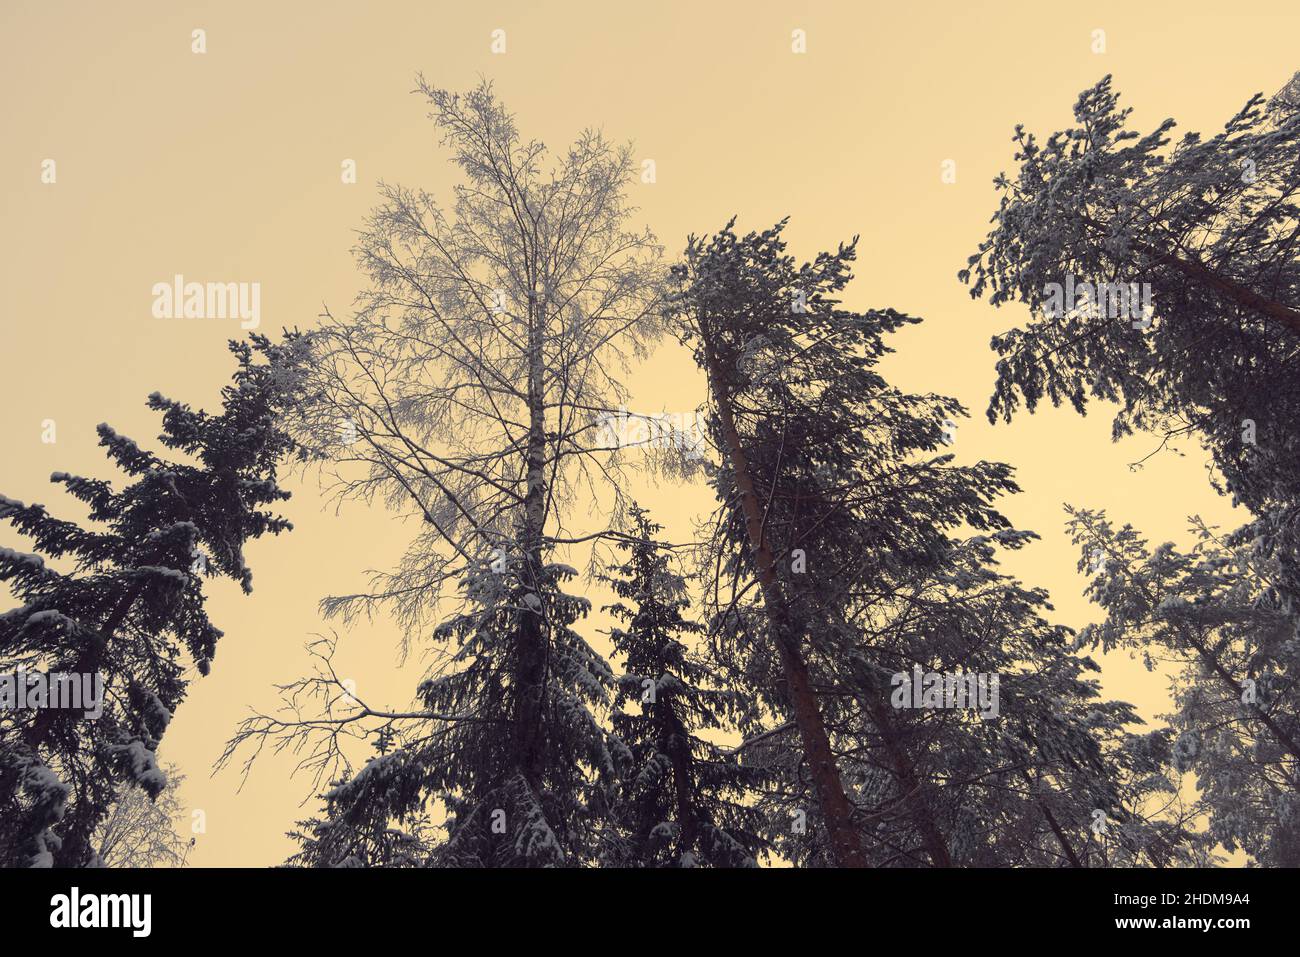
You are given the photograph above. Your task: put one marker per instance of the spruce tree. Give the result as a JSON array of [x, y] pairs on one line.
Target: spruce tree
[[1214, 615], [686, 801], [125, 604], [348, 834], [450, 756]]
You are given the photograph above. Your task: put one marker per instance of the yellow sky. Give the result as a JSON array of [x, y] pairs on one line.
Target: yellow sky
[[225, 166]]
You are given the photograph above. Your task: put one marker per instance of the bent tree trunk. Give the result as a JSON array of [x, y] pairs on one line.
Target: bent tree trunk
[[833, 803]]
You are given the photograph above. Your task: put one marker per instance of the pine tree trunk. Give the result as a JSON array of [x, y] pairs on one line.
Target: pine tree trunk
[[1242, 295], [836, 809], [910, 785], [1061, 838]]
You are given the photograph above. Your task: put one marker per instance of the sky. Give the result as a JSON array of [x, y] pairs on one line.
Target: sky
[[226, 165]]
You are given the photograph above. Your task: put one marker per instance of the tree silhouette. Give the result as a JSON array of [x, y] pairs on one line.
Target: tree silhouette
[[466, 391], [130, 607], [841, 506], [687, 802], [1212, 226]]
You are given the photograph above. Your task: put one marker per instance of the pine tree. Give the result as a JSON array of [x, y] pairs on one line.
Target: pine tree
[[1212, 613], [129, 608], [686, 801], [729, 290], [1210, 226], [797, 401], [840, 500]]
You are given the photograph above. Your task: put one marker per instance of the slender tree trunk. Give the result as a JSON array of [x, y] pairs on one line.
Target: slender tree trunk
[[910, 784], [1242, 295], [836, 809], [1061, 838], [529, 733], [1213, 663], [677, 749]]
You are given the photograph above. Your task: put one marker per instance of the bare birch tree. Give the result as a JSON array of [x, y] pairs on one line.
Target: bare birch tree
[[466, 390], [141, 831]]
